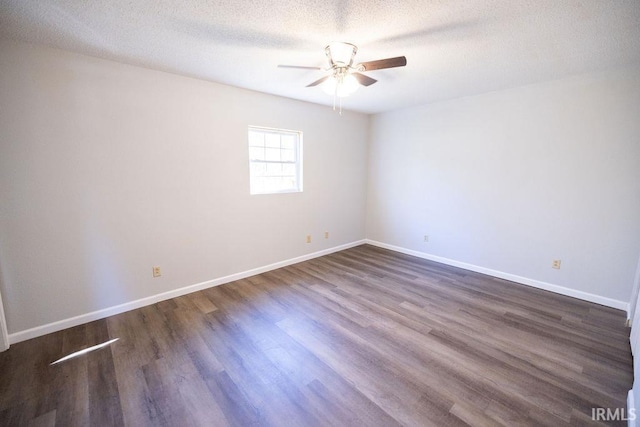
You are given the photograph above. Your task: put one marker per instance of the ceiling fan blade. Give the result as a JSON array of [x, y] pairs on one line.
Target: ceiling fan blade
[[317, 82], [299, 66], [380, 64], [364, 80]]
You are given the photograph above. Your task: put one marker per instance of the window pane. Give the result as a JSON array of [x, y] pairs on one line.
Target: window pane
[[287, 155], [289, 183], [274, 169], [272, 154], [289, 170], [272, 140], [273, 184], [288, 141]]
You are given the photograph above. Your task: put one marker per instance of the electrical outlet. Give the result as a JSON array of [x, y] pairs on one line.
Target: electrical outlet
[[309, 238], [326, 234], [556, 264], [156, 272], [426, 238]]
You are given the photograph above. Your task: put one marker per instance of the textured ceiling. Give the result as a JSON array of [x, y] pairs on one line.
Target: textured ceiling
[[453, 48]]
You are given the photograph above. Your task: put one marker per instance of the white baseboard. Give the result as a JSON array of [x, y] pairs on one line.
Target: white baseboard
[[621, 305], [110, 311]]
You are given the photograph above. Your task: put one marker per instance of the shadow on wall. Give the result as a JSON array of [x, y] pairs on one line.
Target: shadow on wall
[[4, 335], [105, 279]]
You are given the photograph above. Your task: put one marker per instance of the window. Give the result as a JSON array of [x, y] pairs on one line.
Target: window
[[275, 161]]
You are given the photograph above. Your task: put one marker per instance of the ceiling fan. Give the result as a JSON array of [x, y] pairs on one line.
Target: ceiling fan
[[344, 77]]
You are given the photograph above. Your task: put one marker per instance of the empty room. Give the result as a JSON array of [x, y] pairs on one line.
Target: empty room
[[303, 213]]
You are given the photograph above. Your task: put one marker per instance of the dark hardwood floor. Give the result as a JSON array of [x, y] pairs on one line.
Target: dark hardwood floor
[[360, 337]]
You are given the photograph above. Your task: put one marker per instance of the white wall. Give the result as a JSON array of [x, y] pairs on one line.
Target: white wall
[[511, 180], [107, 170]]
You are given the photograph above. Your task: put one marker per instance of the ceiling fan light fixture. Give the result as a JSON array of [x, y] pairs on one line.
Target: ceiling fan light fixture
[[349, 85], [340, 86], [341, 53]]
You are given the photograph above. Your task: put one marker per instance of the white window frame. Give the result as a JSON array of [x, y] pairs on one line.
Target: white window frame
[[297, 159]]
